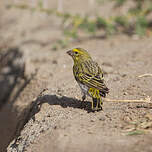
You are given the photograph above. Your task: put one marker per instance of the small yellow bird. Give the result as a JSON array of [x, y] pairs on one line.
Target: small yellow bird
[[89, 77]]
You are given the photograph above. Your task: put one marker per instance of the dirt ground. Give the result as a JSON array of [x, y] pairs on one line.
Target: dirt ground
[[59, 123]]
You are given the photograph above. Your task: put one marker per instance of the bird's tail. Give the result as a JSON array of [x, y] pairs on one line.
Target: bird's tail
[[104, 91]]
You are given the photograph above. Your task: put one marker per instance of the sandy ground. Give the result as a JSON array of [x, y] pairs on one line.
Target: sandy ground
[[59, 123]]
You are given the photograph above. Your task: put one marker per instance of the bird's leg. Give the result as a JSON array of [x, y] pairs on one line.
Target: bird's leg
[[94, 104], [97, 101], [100, 104], [97, 104], [83, 98]]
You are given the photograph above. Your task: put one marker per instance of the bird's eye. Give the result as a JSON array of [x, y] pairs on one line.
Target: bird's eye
[[76, 52]]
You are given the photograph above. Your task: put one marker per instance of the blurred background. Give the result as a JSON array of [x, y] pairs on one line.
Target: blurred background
[[33, 30], [73, 21]]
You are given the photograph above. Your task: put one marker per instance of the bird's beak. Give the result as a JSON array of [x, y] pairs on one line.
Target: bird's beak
[[70, 53]]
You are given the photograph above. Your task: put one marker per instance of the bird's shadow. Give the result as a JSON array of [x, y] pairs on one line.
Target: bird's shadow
[[63, 101]]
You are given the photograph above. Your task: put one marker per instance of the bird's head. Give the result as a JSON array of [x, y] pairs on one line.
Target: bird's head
[[79, 54]]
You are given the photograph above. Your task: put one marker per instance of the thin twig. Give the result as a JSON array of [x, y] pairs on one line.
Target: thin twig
[[145, 75], [146, 100]]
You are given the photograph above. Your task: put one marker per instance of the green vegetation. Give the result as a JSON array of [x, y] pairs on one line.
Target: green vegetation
[[134, 22], [135, 132]]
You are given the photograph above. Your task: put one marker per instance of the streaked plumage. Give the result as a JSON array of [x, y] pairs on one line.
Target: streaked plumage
[[89, 77]]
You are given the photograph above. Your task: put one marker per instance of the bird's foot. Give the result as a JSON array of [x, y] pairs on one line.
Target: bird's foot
[[96, 109]]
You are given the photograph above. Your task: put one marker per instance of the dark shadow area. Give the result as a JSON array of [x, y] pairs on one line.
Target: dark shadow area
[[12, 83], [64, 102], [11, 69]]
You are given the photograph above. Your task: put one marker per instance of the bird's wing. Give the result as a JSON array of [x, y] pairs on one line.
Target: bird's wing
[[93, 81]]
